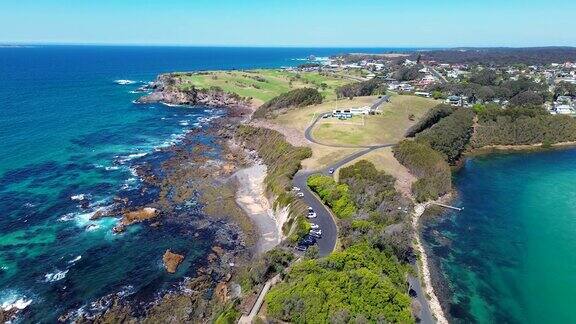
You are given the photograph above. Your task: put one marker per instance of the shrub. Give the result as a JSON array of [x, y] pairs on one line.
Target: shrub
[[451, 134], [363, 88], [360, 281], [295, 98], [433, 116], [433, 172], [336, 196]]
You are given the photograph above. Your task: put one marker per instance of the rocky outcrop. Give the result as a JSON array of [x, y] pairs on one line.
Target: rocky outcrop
[[172, 261], [143, 214], [171, 89]]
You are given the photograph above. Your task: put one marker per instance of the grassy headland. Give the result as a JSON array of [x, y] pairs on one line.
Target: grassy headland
[[263, 85]]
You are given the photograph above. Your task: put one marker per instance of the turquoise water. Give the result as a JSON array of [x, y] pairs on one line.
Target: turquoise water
[[68, 131], [510, 255]]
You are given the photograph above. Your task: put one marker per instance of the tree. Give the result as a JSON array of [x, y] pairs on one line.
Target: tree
[[564, 89], [484, 77], [486, 93], [527, 98]]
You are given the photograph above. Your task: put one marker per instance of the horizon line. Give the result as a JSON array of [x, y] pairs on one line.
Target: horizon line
[[410, 47]]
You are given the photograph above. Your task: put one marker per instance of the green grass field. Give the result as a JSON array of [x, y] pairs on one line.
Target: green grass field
[[387, 128], [263, 85]]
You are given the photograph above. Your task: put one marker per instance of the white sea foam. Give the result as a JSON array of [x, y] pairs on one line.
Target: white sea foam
[[129, 157], [68, 217], [125, 291], [184, 123], [80, 197], [11, 299], [29, 205], [76, 259], [55, 276], [124, 82]]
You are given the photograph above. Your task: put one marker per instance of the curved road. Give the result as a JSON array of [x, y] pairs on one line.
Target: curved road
[[327, 222], [309, 137]]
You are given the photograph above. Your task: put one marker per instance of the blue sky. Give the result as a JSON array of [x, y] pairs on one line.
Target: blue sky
[[416, 23]]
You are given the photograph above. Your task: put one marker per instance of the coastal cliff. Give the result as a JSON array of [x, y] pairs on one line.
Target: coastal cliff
[[171, 90]]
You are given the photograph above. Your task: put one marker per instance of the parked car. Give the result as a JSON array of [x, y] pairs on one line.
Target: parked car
[[301, 247], [316, 233], [314, 226], [331, 171], [308, 240], [300, 195], [295, 189], [312, 215]]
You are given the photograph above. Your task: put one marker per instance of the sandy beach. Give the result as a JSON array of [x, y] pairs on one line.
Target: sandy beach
[[252, 198]]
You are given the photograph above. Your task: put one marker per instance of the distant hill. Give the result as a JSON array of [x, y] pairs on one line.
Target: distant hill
[[501, 55]]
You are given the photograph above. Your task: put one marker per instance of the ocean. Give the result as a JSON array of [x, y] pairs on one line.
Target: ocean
[[509, 256], [70, 138]]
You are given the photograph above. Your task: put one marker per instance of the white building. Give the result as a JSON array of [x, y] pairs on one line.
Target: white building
[[564, 110], [349, 112]]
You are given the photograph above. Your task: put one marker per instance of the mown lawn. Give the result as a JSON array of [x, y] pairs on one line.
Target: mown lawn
[[263, 85], [387, 128]]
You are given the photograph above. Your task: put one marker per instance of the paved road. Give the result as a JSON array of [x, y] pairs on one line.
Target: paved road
[[438, 74], [323, 216], [327, 223], [416, 292]]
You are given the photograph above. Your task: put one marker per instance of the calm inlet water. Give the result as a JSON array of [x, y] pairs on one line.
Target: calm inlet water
[[510, 255], [69, 137]]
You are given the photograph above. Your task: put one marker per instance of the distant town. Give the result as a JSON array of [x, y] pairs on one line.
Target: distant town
[[552, 85]]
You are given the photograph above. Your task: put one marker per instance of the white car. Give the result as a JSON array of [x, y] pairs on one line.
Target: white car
[[316, 233], [295, 189], [312, 215], [314, 226], [300, 195]]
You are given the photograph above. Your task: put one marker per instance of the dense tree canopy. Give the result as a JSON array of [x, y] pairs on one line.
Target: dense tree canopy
[[363, 88], [433, 172], [451, 134], [359, 283], [295, 98]]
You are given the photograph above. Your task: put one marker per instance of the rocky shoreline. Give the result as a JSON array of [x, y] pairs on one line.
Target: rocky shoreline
[[167, 89], [187, 172]]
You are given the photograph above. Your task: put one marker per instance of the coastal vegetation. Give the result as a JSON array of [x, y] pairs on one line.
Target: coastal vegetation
[[366, 280], [430, 118], [291, 99], [450, 135], [429, 166], [334, 195], [283, 161], [372, 87], [360, 284], [521, 126]]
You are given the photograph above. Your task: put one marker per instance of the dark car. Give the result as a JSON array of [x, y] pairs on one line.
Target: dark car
[[301, 247], [331, 171], [316, 234], [308, 240]]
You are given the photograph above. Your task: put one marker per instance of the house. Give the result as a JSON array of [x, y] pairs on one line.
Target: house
[[454, 101], [564, 110], [349, 112], [405, 87]]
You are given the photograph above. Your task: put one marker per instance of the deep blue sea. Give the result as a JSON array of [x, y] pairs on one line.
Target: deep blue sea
[[69, 136]]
